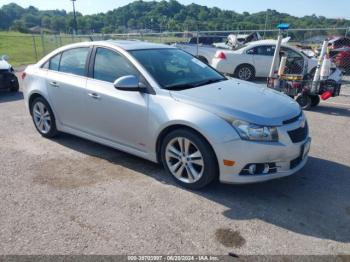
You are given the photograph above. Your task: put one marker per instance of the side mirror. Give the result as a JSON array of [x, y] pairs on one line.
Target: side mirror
[[127, 83], [5, 57]]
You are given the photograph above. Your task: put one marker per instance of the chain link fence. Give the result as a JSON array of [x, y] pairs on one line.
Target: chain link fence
[[26, 48]]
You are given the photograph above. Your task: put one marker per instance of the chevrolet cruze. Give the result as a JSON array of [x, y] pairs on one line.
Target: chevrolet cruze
[[162, 104]]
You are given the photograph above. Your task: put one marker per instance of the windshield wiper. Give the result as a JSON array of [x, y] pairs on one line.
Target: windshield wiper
[[195, 84], [209, 81], [179, 87]]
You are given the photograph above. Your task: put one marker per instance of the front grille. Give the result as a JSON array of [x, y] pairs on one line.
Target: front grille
[[299, 134], [292, 120]]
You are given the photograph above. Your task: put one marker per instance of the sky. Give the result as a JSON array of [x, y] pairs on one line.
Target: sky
[[327, 8]]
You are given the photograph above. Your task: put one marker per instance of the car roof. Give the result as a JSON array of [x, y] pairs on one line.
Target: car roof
[[127, 45], [132, 44], [263, 42]]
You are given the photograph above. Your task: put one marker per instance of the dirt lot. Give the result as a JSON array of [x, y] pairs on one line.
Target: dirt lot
[[72, 196]]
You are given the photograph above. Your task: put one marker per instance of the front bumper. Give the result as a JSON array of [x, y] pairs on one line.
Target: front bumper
[[286, 155]]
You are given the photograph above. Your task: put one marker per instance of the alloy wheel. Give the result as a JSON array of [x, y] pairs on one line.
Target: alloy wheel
[[244, 73], [42, 117], [184, 160]]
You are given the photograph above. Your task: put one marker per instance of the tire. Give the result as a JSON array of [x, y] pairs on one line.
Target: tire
[[196, 173], [315, 100], [203, 59], [304, 101], [43, 118], [245, 72], [14, 85]]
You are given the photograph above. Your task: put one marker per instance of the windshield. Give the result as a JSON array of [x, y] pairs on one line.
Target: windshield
[[308, 55], [174, 69]]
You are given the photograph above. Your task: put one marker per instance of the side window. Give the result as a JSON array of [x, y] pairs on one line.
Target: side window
[[46, 65], [73, 61], [266, 50], [54, 62], [291, 53], [110, 65], [251, 51]]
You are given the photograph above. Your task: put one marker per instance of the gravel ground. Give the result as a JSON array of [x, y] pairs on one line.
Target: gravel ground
[[72, 196]]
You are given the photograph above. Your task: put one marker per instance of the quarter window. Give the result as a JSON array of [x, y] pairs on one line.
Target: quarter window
[[110, 65], [54, 62], [265, 50], [73, 61]]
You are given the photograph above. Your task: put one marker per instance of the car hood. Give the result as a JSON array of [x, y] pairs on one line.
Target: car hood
[[4, 65], [237, 99]]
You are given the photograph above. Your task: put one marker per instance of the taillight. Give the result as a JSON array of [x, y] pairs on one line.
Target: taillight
[[23, 75], [221, 55]]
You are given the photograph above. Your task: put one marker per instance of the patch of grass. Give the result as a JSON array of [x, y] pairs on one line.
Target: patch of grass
[[26, 49]]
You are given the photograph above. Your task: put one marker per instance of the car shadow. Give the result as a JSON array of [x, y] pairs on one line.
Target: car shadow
[[7, 96], [332, 110], [313, 202]]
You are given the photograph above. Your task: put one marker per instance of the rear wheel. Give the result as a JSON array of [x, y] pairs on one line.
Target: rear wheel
[[43, 118], [304, 101], [315, 100], [245, 72], [189, 159]]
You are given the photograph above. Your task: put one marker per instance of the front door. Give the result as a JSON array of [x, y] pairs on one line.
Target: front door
[[115, 115], [263, 56]]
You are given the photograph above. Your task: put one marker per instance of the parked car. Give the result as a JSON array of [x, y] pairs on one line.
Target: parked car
[[207, 40], [204, 53], [255, 59], [207, 46], [234, 41], [8, 79], [338, 42], [205, 49], [162, 104], [341, 57]]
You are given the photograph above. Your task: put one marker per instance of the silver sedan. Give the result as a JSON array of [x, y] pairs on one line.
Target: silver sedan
[[164, 105]]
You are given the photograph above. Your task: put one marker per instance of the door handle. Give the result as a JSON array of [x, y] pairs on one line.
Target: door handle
[[94, 96], [53, 83]]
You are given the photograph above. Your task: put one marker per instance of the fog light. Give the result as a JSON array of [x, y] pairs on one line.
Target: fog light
[[252, 169], [266, 168]]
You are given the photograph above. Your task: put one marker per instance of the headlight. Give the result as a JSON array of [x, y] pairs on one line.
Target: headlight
[[254, 132]]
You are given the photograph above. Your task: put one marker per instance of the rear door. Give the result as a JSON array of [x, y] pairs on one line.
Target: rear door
[[66, 81], [263, 56]]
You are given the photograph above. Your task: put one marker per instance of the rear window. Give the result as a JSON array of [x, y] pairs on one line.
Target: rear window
[[73, 61]]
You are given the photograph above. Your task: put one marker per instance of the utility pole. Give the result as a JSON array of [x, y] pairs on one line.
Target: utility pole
[[267, 15], [75, 25]]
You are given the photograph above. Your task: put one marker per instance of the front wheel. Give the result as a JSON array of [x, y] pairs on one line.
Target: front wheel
[[43, 118], [14, 85], [304, 101], [189, 159]]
